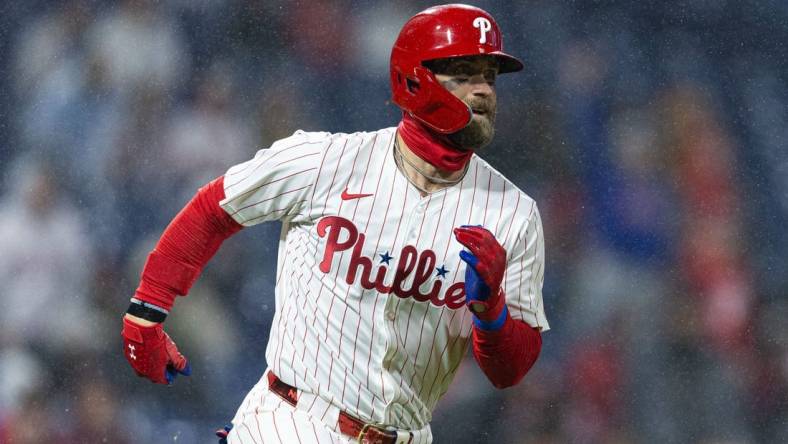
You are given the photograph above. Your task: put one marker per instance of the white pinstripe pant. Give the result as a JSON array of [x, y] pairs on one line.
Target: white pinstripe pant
[[265, 418]]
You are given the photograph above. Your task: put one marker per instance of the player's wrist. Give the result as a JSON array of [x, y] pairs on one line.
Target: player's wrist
[[139, 321], [490, 323], [146, 312]]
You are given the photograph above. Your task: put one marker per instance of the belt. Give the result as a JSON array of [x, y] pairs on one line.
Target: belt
[[348, 424]]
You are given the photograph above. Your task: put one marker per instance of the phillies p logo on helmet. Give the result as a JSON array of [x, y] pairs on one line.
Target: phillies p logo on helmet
[[484, 26]]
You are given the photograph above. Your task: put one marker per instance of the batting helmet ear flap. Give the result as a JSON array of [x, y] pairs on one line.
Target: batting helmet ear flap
[[429, 102]]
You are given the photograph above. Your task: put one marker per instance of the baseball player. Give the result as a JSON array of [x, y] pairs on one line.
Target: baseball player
[[399, 249]]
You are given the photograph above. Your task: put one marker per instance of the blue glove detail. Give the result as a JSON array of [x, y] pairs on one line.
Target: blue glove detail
[[492, 325], [475, 287], [222, 433], [170, 373], [485, 262]]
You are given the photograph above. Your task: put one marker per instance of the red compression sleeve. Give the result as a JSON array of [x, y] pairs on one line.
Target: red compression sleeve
[[186, 245], [505, 355]]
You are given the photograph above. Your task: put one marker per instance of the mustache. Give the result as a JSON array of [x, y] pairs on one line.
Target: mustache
[[487, 106]]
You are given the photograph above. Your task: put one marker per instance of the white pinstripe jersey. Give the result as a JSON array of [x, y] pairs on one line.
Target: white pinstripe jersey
[[370, 310]]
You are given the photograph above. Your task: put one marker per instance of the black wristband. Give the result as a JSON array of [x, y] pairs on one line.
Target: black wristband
[[144, 311]]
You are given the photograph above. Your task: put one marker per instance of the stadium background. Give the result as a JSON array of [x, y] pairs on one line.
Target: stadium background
[[654, 136]]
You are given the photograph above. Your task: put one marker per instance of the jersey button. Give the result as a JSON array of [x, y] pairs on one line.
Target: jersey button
[[391, 315]]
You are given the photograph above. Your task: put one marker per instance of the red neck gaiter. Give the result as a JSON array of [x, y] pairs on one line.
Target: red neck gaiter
[[434, 148]]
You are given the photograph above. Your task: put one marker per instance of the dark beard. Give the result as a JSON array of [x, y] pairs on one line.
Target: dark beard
[[479, 133]]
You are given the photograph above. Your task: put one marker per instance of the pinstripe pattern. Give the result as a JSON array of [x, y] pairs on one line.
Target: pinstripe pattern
[[264, 418], [375, 352]]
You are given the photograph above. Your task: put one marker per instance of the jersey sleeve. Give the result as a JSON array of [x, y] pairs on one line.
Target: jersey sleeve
[[277, 183], [525, 273]]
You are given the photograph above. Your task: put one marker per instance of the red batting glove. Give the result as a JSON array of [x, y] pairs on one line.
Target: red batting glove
[[487, 258], [151, 353]]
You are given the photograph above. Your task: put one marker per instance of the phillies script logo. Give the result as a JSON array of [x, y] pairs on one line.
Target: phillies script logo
[[420, 265]]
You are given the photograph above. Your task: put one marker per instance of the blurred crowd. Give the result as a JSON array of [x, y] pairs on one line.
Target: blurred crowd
[[653, 135]]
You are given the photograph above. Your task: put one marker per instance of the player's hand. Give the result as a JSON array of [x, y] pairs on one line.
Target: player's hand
[[486, 261], [151, 352]]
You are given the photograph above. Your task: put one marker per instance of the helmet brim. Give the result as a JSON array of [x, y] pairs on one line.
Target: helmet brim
[[507, 63]]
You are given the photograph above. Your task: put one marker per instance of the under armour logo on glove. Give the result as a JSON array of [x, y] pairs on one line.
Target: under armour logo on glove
[[152, 354]]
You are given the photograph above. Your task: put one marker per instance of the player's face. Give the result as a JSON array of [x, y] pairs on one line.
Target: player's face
[[472, 80]]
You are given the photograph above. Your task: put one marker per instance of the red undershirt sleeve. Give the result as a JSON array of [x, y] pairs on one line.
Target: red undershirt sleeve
[[505, 355], [186, 246]]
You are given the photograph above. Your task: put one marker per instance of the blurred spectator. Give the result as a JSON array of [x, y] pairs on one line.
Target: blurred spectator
[[49, 43], [45, 265], [206, 135], [95, 415], [712, 239], [133, 171], [320, 35], [139, 44], [20, 375], [31, 423]]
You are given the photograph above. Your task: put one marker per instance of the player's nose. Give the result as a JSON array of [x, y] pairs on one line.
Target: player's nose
[[482, 88]]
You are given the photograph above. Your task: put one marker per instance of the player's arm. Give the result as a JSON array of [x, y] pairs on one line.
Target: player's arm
[[507, 354], [505, 348], [183, 250], [275, 184]]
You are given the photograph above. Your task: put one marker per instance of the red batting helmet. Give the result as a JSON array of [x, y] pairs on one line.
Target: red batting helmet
[[437, 33]]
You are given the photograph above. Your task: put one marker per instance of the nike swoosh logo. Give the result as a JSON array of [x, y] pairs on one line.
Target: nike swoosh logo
[[349, 196]]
